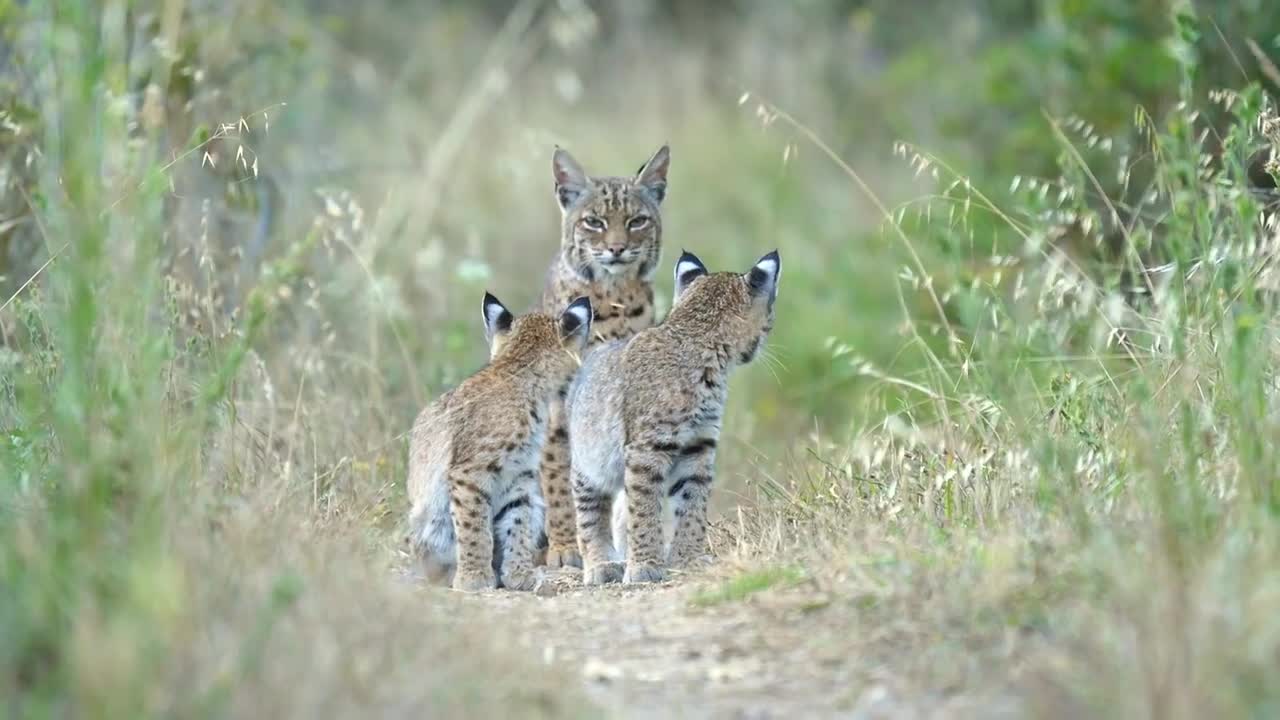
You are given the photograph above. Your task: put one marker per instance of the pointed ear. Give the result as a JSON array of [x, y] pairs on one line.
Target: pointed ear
[[575, 321], [652, 176], [497, 318], [571, 181], [763, 277], [688, 269]]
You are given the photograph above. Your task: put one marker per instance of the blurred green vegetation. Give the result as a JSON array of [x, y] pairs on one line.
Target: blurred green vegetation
[[242, 243], [435, 100]]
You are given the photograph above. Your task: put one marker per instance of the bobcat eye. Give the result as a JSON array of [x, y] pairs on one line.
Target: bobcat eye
[[638, 222], [593, 223]]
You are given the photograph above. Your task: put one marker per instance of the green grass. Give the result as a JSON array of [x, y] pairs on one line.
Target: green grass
[[749, 583]]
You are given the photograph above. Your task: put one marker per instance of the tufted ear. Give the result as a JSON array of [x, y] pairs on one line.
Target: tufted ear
[[571, 181], [575, 321], [497, 318], [688, 269], [652, 176], [763, 277]]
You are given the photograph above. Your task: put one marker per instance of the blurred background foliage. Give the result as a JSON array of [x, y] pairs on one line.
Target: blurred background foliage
[[437, 118]]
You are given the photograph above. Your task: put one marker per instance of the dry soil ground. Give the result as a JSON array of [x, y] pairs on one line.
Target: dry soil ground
[[666, 651]]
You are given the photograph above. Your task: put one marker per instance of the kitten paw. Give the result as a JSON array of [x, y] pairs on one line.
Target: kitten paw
[[522, 579], [602, 573], [479, 582], [643, 574], [563, 557]]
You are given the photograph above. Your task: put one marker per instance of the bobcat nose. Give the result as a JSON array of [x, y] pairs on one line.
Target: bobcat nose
[[617, 251]]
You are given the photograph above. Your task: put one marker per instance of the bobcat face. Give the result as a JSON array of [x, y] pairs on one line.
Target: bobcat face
[[612, 224], [616, 225]]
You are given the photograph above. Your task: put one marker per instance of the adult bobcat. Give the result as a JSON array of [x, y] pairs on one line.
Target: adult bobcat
[[644, 420], [610, 244], [473, 453]]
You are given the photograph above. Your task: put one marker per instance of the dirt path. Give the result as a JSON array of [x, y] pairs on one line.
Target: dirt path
[[652, 652]]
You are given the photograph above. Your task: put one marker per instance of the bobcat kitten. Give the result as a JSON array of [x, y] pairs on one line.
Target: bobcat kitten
[[610, 243], [473, 453], [645, 414]]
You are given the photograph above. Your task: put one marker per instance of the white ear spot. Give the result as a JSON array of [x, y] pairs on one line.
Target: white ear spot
[[492, 313], [576, 317], [769, 265], [685, 267], [497, 319], [764, 275], [688, 269], [580, 314]]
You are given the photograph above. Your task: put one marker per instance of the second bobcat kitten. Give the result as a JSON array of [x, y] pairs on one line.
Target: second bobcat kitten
[[610, 244], [644, 420], [476, 512]]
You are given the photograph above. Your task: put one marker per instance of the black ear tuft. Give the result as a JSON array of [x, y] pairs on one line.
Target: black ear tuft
[[688, 269], [497, 319], [576, 318], [763, 277]]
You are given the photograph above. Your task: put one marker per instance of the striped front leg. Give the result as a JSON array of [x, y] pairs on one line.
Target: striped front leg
[[562, 532], [646, 473], [595, 505], [470, 506], [515, 527], [688, 492]]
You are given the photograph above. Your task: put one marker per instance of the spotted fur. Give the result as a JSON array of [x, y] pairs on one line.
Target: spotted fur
[[611, 242], [476, 511], [645, 417]]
